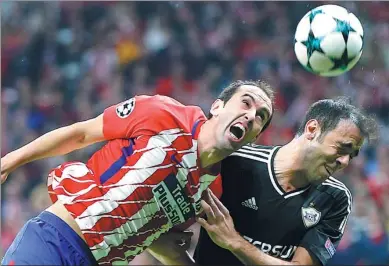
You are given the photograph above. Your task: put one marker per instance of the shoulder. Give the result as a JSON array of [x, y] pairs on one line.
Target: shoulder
[[171, 106], [338, 191], [255, 152], [166, 108], [251, 157]]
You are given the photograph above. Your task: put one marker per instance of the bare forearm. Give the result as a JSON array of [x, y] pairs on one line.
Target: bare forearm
[[250, 255], [57, 142]]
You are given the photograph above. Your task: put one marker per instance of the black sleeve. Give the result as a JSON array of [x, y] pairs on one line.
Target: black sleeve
[[322, 240]]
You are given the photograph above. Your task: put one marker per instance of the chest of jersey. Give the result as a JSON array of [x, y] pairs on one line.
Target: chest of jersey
[[274, 222], [166, 165]]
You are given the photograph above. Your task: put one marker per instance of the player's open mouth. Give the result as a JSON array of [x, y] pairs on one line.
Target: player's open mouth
[[237, 132]]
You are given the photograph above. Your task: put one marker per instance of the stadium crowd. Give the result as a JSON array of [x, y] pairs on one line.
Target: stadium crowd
[[62, 62]]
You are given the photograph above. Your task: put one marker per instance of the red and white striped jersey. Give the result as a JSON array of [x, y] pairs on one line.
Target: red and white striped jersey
[[143, 182]]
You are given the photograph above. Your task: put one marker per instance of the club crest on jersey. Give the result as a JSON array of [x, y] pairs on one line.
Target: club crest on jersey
[[310, 216], [123, 110]]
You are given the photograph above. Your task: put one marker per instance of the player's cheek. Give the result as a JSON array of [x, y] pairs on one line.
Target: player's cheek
[[252, 136]]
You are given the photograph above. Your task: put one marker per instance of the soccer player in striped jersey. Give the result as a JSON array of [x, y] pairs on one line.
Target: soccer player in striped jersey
[[280, 204], [146, 180]]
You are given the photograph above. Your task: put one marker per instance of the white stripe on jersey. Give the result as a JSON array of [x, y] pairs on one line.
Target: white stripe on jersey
[[87, 221], [257, 151], [336, 181], [344, 222], [205, 181], [337, 184], [138, 220], [165, 138], [126, 230], [237, 153], [266, 156], [258, 148], [272, 178], [296, 193], [266, 152], [124, 187]]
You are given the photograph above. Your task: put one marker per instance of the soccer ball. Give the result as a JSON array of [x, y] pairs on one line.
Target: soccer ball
[[328, 40]]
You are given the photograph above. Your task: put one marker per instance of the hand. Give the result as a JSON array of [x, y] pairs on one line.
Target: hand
[[4, 175], [172, 243], [4, 169], [219, 223]]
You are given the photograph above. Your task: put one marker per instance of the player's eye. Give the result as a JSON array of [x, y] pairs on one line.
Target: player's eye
[[353, 155], [342, 152], [246, 103], [262, 115]]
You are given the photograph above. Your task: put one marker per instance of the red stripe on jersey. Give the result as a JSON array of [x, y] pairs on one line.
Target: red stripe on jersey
[[127, 191], [141, 193], [184, 142]]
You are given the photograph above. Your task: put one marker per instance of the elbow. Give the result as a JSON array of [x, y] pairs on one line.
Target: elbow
[[77, 133], [89, 132]]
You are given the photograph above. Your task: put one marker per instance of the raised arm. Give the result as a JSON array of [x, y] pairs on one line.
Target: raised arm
[[133, 117], [57, 142]]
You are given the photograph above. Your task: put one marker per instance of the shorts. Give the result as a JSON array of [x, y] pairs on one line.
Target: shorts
[[47, 240]]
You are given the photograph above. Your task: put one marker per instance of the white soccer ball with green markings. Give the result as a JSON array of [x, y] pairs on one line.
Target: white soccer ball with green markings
[[329, 40]]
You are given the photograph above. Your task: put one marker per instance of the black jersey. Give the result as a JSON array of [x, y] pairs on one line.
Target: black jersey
[[276, 222]]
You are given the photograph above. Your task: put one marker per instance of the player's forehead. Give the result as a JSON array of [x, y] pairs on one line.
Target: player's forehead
[[257, 93], [347, 134]]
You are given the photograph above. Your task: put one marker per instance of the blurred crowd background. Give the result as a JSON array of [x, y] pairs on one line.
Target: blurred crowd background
[[63, 62]]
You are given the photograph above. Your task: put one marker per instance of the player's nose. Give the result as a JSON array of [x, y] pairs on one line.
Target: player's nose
[[343, 161], [250, 115]]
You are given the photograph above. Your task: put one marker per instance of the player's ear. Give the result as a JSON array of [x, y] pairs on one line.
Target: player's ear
[[312, 129], [216, 107]]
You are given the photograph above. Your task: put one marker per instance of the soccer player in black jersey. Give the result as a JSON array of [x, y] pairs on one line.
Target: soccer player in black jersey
[[281, 205], [283, 201]]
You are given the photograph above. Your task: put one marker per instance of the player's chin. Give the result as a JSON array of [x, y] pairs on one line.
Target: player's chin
[[234, 144], [318, 180], [324, 175]]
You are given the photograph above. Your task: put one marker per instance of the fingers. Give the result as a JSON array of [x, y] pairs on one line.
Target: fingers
[[208, 210], [3, 177], [215, 208], [203, 223], [223, 209]]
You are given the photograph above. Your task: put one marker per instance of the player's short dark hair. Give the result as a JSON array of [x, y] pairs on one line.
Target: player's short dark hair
[[231, 89], [329, 112]]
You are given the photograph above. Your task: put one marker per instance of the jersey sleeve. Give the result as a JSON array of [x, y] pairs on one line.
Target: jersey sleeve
[[120, 120], [144, 115], [322, 240], [148, 115]]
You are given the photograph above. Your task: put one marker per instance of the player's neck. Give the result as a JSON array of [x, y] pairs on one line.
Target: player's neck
[[208, 153], [289, 167]]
